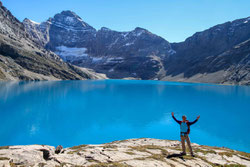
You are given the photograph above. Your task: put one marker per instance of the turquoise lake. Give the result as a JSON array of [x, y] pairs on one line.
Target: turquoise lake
[[71, 113]]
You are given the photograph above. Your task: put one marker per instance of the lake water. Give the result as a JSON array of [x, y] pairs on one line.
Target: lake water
[[71, 113]]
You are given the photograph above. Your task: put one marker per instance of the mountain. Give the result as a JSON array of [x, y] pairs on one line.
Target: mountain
[[216, 55], [22, 58], [137, 53]]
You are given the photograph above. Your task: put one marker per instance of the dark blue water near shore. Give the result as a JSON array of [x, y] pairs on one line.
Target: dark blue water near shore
[[90, 112]]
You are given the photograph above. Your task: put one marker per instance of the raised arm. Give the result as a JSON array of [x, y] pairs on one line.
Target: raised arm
[[179, 122], [191, 123]]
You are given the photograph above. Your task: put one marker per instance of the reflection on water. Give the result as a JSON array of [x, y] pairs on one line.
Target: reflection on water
[[89, 112]]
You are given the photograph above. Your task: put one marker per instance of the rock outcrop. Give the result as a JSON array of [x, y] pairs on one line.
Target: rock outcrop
[[142, 152], [22, 58]]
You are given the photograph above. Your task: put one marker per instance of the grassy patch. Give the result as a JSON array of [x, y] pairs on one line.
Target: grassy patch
[[141, 158], [4, 158], [228, 154], [176, 148], [12, 164], [119, 141], [188, 157], [145, 147], [240, 154], [130, 153], [93, 160], [205, 151], [158, 157], [218, 165], [78, 147], [139, 148], [164, 152], [4, 147], [205, 160], [243, 154], [72, 152], [152, 147], [109, 146]]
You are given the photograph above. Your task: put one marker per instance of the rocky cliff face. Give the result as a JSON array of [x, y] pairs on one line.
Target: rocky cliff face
[[23, 58], [127, 153], [218, 55], [141, 54]]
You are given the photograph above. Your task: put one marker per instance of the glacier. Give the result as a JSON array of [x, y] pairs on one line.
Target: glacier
[[67, 53]]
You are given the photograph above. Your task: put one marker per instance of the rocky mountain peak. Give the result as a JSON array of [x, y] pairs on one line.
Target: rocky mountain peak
[[10, 25], [140, 29], [64, 29], [28, 21], [23, 55], [69, 13], [69, 19], [105, 29]]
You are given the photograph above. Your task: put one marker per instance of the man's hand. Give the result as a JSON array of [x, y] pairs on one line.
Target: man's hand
[[198, 117], [172, 113]]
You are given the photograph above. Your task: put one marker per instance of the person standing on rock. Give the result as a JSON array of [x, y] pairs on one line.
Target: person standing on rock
[[185, 130]]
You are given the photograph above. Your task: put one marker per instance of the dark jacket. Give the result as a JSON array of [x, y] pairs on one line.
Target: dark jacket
[[188, 123]]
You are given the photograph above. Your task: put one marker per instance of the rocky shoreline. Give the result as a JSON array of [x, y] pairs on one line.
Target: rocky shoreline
[[143, 152]]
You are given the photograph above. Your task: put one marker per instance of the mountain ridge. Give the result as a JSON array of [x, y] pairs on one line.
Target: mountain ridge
[[106, 51], [22, 58], [141, 54]]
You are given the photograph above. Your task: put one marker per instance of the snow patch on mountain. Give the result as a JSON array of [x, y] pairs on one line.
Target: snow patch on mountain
[[97, 59], [171, 51], [124, 34], [115, 59], [34, 22], [27, 21], [247, 19], [69, 19], [139, 33], [68, 53], [129, 43]]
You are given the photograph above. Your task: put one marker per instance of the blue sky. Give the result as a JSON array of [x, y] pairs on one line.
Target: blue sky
[[174, 20]]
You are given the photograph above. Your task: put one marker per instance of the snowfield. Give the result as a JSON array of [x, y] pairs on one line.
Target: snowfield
[[68, 53]]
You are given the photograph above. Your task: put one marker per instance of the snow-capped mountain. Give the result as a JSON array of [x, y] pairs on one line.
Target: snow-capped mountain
[[115, 53], [64, 29], [23, 58], [142, 54]]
